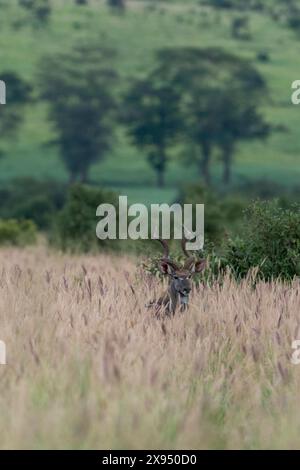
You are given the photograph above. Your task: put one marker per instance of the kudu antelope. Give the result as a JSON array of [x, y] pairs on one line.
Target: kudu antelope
[[180, 285]]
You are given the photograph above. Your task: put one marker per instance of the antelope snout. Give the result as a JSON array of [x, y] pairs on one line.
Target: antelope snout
[[186, 290]]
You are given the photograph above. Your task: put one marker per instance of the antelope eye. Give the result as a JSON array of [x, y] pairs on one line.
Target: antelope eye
[[175, 277]]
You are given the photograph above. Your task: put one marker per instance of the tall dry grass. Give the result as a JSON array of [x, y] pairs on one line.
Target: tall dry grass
[[90, 367]]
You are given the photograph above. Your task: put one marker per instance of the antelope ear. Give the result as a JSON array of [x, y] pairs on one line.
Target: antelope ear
[[198, 266], [166, 268]]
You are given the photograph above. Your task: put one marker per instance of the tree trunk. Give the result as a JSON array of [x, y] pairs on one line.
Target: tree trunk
[[158, 161], [227, 160], [204, 164], [72, 178], [83, 175], [160, 178]]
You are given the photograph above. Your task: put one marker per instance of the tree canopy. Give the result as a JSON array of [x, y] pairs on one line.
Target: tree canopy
[[219, 100], [77, 86]]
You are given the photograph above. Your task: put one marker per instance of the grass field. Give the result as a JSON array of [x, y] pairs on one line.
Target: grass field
[[88, 366], [136, 36]]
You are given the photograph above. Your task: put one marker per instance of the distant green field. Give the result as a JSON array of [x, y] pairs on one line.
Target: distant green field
[[136, 36]]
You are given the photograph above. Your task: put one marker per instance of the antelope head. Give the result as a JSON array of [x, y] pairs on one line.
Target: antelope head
[[180, 277]]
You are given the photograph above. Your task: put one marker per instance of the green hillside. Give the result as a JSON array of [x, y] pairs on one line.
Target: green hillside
[[136, 35]]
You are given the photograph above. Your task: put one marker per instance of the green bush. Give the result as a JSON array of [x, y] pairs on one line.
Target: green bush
[[26, 198], [267, 189], [18, 233], [75, 225], [223, 214], [270, 242]]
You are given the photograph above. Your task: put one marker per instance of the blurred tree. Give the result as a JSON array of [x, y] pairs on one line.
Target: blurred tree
[[152, 119], [220, 3], [118, 5], [238, 120], [17, 95], [75, 224], [218, 93], [223, 212], [30, 199], [240, 28], [235, 4], [28, 4], [38, 10], [77, 86]]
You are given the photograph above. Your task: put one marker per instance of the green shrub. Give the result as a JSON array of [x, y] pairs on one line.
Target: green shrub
[[267, 189], [18, 233], [75, 225], [26, 198], [40, 209], [294, 21], [270, 242], [223, 214]]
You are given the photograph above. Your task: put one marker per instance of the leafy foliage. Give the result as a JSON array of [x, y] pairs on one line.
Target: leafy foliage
[[206, 96], [75, 226], [39, 11], [118, 5], [271, 242], [80, 105], [19, 233], [27, 198], [18, 94], [218, 95], [223, 214], [151, 114]]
